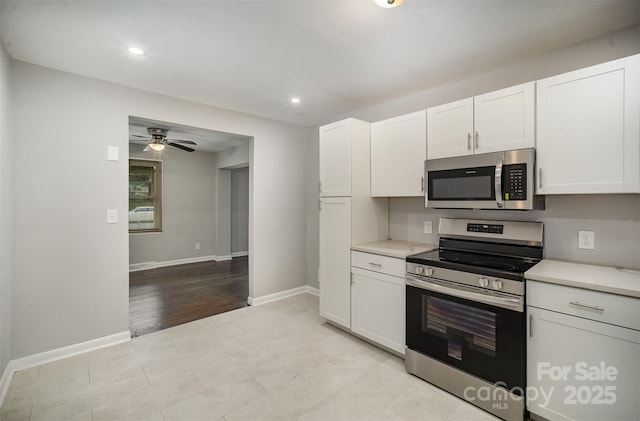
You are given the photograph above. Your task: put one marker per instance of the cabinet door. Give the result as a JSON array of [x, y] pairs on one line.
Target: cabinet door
[[377, 308], [589, 131], [504, 119], [335, 262], [335, 159], [579, 369], [398, 151], [449, 129]]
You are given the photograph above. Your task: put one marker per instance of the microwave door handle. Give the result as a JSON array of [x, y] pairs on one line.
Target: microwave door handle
[[498, 182]]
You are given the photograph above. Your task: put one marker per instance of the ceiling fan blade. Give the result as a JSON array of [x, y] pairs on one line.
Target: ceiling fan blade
[[137, 135], [147, 149], [179, 146], [188, 142]]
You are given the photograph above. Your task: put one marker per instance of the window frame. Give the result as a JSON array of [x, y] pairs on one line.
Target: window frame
[[156, 195]]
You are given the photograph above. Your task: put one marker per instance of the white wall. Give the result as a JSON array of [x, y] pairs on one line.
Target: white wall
[[6, 200], [70, 267], [615, 219], [619, 44], [234, 157], [240, 210], [313, 222], [188, 208]]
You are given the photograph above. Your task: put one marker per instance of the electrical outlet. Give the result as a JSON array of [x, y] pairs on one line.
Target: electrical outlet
[[197, 246], [586, 240], [428, 227]]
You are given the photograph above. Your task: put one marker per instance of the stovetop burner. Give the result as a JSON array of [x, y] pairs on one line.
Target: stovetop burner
[[509, 267], [493, 255]]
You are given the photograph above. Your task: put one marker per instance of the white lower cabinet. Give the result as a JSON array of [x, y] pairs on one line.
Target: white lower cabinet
[[579, 367], [377, 308], [378, 299]]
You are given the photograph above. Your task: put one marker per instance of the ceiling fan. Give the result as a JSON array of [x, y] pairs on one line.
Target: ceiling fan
[[157, 140]]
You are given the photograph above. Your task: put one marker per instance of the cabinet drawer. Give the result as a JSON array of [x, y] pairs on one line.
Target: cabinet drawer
[[375, 262], [599, 306]]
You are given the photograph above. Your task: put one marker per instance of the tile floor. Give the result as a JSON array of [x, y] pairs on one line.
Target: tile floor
[[277, 361]]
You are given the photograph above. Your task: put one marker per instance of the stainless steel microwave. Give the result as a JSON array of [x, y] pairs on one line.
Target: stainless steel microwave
[[498, 180]]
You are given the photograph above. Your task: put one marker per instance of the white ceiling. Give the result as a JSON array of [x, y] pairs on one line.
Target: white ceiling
[[338, 56]]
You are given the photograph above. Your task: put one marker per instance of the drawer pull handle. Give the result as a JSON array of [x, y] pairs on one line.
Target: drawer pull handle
[[375, 264], [578, 304]]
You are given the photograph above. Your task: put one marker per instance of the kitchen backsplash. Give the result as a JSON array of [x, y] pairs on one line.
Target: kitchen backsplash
[[615, 220]]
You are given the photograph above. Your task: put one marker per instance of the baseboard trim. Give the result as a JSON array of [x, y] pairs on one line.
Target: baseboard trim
[[142, 266], [7, 375], [57, 354], [222, 258], [152, 265], [281, 295], [239, 253]]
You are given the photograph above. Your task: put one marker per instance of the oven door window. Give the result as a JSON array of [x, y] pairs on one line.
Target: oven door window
[[447, 319], [481, 339], [462, 184]]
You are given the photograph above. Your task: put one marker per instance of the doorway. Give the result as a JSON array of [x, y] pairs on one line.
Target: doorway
[[197, 264]]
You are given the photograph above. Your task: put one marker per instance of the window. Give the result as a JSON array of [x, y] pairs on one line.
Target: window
[[145, 196]]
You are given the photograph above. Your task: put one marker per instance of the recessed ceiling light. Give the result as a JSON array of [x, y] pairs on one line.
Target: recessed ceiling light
[[295, 100], [388, 3], [137, 51]]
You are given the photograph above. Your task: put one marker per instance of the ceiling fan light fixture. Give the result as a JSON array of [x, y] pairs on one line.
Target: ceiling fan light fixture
[[389, 3], [156, 146]]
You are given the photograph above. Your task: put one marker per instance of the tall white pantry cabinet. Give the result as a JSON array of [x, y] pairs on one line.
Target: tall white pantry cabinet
[[348, 214]]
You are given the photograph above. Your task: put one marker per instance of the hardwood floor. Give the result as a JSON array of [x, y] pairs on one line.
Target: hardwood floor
[[170, 296]]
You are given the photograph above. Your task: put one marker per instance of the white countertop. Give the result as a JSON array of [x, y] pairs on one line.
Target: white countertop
[[597, 278], [394, 248]]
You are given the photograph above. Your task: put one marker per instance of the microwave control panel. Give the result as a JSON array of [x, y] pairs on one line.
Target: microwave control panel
[[514, 182]]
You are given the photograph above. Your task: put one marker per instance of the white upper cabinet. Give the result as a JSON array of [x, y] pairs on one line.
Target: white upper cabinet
[[449, 129], [497, 121], [505, 119], [398, 151], [588, 124], [335, 159]]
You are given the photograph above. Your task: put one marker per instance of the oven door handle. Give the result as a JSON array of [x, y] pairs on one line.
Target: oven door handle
[[510, 303]]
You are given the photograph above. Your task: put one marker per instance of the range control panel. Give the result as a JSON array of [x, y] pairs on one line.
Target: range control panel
[[489, 228], [514, 182]]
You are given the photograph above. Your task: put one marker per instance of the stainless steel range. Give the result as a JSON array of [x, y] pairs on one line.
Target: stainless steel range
[[465, 311]]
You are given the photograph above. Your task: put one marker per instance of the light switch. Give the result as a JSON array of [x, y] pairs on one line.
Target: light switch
[[112, 153], [112, 216]]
